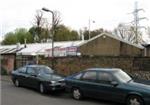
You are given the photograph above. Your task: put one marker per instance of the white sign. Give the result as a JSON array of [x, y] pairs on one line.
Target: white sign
[[60, 52]]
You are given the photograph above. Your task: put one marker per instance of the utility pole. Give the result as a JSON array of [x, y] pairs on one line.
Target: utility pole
[[136, 21], [90, 27]]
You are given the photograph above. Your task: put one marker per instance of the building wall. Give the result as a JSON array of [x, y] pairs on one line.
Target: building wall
[[148, 51], [101, 46], [7, 62], [107, 46], [129, 50]]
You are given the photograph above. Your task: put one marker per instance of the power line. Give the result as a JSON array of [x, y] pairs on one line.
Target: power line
[[136, 21]]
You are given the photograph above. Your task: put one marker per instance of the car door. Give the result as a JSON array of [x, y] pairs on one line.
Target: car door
[[22, 74], [88, 83], [105, 88], [32, 78]]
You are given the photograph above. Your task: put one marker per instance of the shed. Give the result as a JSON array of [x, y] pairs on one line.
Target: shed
[[107, 44]]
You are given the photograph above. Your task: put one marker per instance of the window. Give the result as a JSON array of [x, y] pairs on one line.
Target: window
[[122, 76], [78, 76], [89, 75], [105, 78], [31, 70], [45, 70], [22, 70]]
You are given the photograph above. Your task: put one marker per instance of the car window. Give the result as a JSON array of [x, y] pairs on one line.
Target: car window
[[122, 76], [22, 70], [45, 70], [31, 70], [104, 77], [78, 76], [89, 76]]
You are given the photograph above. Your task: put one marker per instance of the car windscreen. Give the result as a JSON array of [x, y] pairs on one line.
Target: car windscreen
[[122, 76]]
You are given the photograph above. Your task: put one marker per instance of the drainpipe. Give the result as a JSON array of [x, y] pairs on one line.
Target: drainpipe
[[145, 51]]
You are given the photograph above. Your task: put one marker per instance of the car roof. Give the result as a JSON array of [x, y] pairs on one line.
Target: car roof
[[36, 66], [103, 69]]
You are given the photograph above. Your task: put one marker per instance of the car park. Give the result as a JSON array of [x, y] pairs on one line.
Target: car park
[[111, 84], [39, 77]]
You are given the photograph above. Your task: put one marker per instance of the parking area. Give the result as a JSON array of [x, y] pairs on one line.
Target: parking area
[[11, 95]]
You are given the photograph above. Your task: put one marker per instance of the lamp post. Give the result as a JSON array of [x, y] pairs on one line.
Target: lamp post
[[47, 10]]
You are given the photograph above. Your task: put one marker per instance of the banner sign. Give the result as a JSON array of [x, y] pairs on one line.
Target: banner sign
[[60, 52]]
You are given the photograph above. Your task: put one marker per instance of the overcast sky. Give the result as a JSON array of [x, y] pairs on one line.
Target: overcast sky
[[107, 14]]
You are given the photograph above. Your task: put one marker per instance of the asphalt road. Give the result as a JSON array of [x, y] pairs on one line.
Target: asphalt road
[[11, 95]]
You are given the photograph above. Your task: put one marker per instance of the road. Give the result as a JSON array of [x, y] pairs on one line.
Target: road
[[11, 95]]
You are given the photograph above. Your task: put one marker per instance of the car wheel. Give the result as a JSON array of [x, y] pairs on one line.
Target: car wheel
[[17, 83], [135, 100], [77, 94], [42, 88]]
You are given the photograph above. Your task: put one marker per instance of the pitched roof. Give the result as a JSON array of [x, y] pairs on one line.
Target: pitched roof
[[114, 37]]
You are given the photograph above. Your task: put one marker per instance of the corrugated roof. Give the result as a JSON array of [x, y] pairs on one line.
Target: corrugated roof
[[40, 48], [10, 49]]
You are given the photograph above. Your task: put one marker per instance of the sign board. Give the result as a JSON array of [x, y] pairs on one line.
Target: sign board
[[62, 51]]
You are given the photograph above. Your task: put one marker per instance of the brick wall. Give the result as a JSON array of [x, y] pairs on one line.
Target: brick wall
[[139, 66], [107, 46], [101, 46], [7, 62]]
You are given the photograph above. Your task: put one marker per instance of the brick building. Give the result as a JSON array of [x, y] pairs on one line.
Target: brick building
[[108, 45]]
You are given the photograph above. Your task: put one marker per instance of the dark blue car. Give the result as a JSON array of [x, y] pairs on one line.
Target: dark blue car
[[109, 84]]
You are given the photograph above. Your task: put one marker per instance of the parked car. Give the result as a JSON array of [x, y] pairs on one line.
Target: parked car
[[39, 77], [109, 84]]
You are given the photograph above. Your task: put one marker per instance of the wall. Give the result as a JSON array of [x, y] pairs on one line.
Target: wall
[[7, 62], [148, 51], [129, 50], [101, 46], [107, 46], [134, 65]]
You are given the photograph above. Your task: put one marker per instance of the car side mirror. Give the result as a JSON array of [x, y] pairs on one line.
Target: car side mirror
[[114, 83]]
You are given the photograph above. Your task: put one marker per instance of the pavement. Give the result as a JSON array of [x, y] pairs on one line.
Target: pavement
[[5, 78]]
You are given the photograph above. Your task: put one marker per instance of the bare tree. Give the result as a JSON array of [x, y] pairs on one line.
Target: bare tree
[[57, 18], [38, 24], [38, 21], [127, 32], [48, 24], [42, 27], [120, 31]]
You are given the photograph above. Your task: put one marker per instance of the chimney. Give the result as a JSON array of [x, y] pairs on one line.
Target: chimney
[[25, 42], [18, 46]]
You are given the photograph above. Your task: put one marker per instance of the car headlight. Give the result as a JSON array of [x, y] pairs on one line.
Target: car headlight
[[53, 82]]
